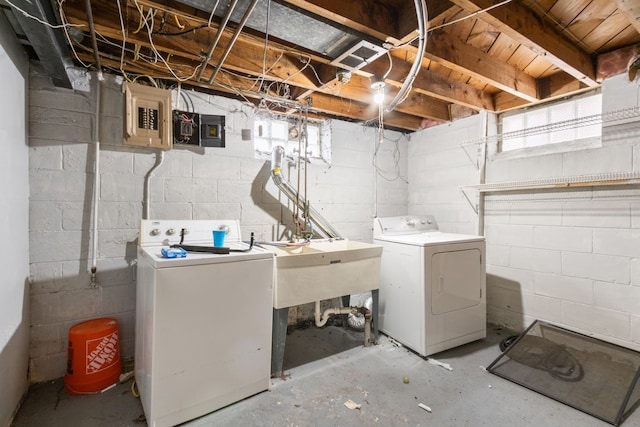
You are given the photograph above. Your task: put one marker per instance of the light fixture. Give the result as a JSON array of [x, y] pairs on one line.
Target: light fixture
[[378, 87]]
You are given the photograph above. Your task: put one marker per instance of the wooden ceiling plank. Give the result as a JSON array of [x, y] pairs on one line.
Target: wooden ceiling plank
[[455, 54], [524, 26], [631, 10], [503, 48], [590, 18]]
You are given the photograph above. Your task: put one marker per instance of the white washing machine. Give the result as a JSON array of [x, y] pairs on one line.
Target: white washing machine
[[203, 322], [432, 284]]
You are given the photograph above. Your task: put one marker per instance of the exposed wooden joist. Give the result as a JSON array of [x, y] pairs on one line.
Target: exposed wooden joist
[[291, 69], [453, 53], [631, 9], [553, 87], [432, 84], [519, 23]]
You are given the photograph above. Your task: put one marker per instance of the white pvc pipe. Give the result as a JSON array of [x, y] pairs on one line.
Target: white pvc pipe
[[96, 180], [147, 184], [322, 318]]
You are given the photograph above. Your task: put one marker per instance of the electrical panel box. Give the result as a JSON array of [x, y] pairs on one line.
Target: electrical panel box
[[186, 128], [212, 131], [147, 116]]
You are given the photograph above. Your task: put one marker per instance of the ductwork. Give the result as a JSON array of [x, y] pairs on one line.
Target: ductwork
[[319, 223]]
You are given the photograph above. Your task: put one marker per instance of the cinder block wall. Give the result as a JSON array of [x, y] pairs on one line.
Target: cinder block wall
[[438, 166], [568, 256], [191, 183]]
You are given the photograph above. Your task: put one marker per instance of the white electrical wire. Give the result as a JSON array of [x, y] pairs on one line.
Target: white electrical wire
[[65, 24], [35, 18], [157, 53], [455, 21]]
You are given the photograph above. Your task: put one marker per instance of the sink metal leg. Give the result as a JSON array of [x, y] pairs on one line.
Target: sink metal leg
[[346, 302], [375, 299], [278, 339]]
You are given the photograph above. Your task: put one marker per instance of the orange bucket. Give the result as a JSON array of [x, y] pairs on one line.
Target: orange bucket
[[93, 358]]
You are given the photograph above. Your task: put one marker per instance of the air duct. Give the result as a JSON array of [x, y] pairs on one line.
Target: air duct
[[319, 223]]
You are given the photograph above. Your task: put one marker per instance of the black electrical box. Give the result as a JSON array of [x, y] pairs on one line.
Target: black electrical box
[[211, 131], [186, 128]]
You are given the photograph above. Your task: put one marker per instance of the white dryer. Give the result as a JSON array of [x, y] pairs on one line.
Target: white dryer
[[432, 284]]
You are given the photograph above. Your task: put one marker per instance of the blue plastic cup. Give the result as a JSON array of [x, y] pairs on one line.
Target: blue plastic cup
[[218, 238]]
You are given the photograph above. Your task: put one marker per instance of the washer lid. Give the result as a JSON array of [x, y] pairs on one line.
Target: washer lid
[[153, 255], [430, 238]]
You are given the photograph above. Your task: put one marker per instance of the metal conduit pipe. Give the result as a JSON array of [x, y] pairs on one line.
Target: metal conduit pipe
[[221, 28], [321, 225], [243, 21], [421, 11], [96, 141], [94, 42]]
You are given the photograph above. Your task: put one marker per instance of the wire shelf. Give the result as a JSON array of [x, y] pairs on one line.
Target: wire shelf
[[593, 180]]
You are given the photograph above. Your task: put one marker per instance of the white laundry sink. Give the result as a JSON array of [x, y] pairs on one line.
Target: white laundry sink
[[324, 269]]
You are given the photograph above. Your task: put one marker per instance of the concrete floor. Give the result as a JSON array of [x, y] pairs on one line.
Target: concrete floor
[[326, 368]]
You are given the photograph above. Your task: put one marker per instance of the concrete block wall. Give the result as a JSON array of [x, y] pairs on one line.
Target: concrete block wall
[[190, 183], [568, 256], [438, 166]]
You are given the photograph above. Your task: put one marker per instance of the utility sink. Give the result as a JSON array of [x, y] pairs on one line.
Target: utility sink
[[324, 269]]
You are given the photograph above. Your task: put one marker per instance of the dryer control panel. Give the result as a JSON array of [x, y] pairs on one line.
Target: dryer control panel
[[400, 225]]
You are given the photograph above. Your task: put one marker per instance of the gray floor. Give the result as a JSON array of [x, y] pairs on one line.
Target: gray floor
[[326, 368]]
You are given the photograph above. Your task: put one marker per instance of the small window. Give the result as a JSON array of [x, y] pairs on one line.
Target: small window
[[576, 119], [291, 134]]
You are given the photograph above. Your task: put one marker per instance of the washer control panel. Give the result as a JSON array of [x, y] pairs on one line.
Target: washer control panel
[[169, 232]]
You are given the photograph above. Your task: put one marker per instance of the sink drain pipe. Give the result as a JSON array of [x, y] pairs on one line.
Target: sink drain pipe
[[323, 317]]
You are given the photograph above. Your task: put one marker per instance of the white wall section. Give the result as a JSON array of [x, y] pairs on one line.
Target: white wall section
[[14, 226]]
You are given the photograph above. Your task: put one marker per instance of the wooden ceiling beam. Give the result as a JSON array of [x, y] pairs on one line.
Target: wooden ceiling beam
[[522, 25], [432, 84], [553, 87], [283, 67], [450, 51]]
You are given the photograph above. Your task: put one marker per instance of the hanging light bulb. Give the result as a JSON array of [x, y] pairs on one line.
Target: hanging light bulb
[[378, 94]]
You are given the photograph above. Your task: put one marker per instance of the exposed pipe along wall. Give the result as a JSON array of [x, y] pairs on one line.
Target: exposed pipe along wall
[[96, 138], [321, 224]]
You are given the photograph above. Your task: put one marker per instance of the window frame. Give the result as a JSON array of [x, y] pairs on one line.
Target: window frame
[[286, 127], [577, 142]]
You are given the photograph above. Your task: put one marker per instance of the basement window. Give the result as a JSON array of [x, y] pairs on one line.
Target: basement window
[[576, 119], [290, 133]]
